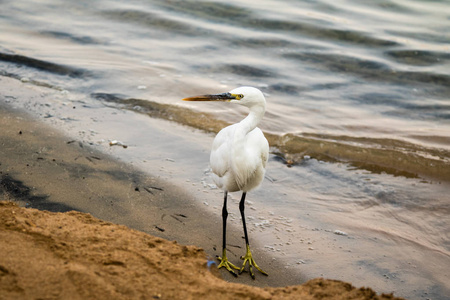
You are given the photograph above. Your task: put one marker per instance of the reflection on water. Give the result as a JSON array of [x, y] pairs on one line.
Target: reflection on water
[[363, 84]]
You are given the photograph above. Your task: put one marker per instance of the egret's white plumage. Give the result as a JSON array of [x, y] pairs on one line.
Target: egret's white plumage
[[238, 159], [240, 151]]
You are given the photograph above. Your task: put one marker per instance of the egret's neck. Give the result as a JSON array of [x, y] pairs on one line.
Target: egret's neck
[[251, 121]]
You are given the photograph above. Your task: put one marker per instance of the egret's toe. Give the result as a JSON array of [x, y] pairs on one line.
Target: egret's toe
[[225, 263], [251, 263]]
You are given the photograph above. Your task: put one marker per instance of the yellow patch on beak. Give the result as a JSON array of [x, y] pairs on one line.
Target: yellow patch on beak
[[237, 96]]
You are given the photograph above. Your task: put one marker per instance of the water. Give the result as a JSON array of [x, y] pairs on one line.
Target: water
[[360, 87]]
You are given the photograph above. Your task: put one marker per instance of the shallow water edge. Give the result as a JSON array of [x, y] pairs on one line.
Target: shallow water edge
[[390, 156]]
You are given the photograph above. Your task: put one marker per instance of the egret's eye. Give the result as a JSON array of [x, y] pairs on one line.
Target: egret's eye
[[240, 96]]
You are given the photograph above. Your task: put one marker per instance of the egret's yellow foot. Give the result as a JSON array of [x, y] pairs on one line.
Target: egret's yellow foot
[[251, 263], [225, 263]]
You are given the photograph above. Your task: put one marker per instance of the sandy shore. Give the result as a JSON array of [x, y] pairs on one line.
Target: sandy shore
[[77, 256]]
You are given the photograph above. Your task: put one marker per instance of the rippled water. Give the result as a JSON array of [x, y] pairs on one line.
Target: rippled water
[[361, 87], [331, 71]]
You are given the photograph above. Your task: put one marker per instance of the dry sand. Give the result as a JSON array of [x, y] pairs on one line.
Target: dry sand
[[73, 255]]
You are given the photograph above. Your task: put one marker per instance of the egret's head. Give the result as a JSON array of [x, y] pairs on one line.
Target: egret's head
[[245, 95], [248, 96]]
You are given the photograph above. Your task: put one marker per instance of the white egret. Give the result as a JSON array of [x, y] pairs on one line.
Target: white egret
[[238, 159]]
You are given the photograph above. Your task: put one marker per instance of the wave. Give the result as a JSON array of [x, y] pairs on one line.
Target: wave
[[153, 20], [418, 57], [371, 69], [42, 65]]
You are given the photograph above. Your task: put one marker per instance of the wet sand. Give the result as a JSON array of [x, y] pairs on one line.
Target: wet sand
[[42, 168]]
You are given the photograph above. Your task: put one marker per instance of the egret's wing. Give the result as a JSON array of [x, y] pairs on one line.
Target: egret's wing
[[220, 152]]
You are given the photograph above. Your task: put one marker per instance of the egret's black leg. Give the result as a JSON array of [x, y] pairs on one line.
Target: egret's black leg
[[224, 260], [224, 220], [248, 255], [241, 209]]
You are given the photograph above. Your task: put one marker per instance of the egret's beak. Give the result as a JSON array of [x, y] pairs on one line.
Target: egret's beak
[[215, 97]]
